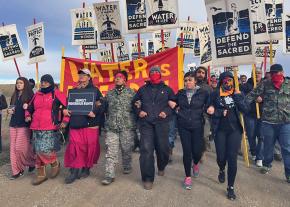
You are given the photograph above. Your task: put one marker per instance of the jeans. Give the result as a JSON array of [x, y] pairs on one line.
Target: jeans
[[227, 145], [253, 129], [192, 145], [271, 133], [172, 131], [153, 137]]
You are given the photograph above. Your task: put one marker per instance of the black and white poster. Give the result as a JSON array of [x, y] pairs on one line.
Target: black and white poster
[[133, 49], [10, 44], [157, 41], [83, 26], [262, 49], [135, 15], [274, 13], [162, 14], [231, 32], [196, 43], [205, 45], [121, 51], [150, 47], [105, 55], [286, 34], [187, 29], [35, 36], [258, 17], [81, 101], [108, 21]]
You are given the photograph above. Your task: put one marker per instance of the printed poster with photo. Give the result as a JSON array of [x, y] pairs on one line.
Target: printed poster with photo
[[259, 20], [83, 26], [35, 36], [135, 16], [274, 14], [150, 47], [121, 51], [10, 44], [157, 41], [205, 45], [286, 34], [109, 22], [196, 43], [162, 14], [231, 32]]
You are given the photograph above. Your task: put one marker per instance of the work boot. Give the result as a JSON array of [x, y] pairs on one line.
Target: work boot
[[222, 176], [85, 172], [148, 185], [74, 174], [108, 180], [55, 168], [40, 176]]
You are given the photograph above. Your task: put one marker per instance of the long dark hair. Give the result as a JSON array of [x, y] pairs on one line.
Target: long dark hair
[[27, 92]]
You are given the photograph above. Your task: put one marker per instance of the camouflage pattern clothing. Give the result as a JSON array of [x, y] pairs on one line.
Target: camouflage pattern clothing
[[120, 125], [276, 103]]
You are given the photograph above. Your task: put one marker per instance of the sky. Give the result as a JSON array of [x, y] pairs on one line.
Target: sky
[[57, 22]]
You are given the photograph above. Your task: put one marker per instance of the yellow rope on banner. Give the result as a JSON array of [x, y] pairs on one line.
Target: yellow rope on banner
[[244, 139], [255, 85]]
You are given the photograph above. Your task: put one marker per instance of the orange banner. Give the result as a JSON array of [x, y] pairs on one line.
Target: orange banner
[[170, 61]]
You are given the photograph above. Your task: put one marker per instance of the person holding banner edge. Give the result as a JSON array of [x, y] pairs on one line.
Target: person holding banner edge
[[225, 106], [275, 116], [154, 116], [83, 149], [120, 125]]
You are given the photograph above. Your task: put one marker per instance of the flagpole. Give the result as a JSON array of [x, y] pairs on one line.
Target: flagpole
[[255, 85], [162, 39], [271, 52], [265, 60], [139, 45], [83, 47], [208, 75], [15, 62], [36, 66], [244, 140]]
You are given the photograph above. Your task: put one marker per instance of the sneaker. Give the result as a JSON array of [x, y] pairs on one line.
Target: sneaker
[[222, 176], [195, 170], [259, 163], [148, 185], [253, 157], [20, 174], [187, 183], [108, 181], [231, 193], [265, 170], [278, 157]]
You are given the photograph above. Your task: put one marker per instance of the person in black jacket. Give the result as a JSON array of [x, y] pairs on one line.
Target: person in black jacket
[[154, 114], [3, 105], [191, 104], [225, 106], [21, 152], [83, 150]]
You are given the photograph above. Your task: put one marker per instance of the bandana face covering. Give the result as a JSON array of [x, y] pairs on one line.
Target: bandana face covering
[[121, 76], [277, 80], [155, 77]]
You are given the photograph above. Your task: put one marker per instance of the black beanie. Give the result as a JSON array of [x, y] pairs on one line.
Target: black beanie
[[47, 78], [276, 68]]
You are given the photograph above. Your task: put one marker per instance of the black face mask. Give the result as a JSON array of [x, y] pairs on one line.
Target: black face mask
[[47, 90]]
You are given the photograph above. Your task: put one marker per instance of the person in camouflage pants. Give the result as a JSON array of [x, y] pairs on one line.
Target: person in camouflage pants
[[120, 126], [275, 95]]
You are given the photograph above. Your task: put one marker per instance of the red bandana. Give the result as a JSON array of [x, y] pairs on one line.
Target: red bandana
[[277, 80]]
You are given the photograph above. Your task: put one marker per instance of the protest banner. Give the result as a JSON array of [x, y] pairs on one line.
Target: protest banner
[[187, 29], [205, 44], [136, 19], [121, 51], [286, 34], [274, 14], [135, 51]]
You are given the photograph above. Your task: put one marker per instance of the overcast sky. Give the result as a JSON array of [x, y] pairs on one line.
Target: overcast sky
[[56, 16]]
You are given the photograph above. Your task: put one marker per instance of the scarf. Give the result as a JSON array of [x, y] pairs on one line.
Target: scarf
[[47, 90]]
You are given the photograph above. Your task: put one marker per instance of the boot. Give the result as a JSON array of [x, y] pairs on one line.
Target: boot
[[148, 185], [85, 172], [40, 176], [74, 174], [55, 168], [170, 155]]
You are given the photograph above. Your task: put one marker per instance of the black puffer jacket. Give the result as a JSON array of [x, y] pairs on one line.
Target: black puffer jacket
[[191, 115], [153, 103]]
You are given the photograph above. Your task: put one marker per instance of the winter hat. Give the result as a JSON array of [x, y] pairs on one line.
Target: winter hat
[[155, 69], [47, 78], [224, 75], [276, 68], [85, 71]]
